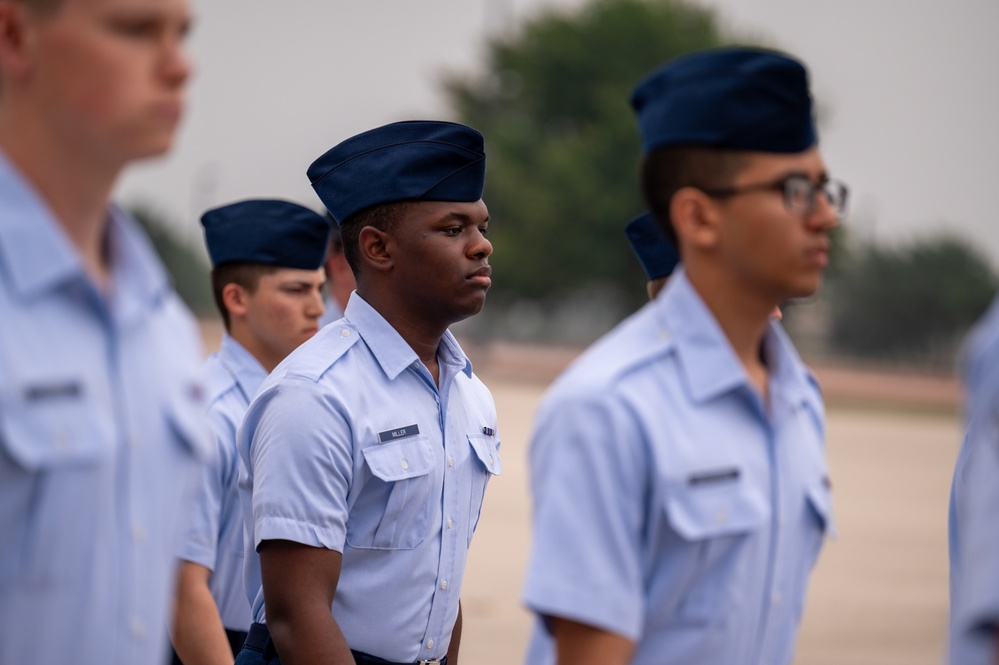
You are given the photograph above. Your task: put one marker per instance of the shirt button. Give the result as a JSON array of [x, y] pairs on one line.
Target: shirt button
[[444, 585], [344, 333], [449, 523], [776, 600], [405, 465], [430, 644], [721, 517], [139, 534], [137, 629], [450, 461], [490, 459]]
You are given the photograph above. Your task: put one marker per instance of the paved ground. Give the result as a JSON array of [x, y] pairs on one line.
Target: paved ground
[[879, 593]]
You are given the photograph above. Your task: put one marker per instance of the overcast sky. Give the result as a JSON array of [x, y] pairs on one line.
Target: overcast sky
[[909, 91]]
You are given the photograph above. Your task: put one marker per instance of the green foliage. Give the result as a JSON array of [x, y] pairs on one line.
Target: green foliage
[[912, 303], [188, 271], [561, 140]]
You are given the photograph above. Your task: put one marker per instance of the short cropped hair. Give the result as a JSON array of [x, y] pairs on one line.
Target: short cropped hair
[[668, 169], [383, 217], [246, 275]]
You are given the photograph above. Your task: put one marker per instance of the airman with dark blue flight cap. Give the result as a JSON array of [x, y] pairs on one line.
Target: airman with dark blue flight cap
[[267, 279], [404, 161], [738, 99], [347, 445], [271, 232], [667, 437]]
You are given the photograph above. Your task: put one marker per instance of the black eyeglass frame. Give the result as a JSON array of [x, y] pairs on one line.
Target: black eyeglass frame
[[835, 191]]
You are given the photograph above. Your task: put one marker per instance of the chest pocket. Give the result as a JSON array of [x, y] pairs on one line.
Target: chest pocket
[[392, 510], [487, 464], [716, 521], [55, 424]]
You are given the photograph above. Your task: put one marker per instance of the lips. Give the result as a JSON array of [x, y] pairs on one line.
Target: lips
[[481, 276]]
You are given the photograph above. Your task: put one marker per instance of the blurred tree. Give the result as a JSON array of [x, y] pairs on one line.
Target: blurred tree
[[562, 144], [910, 303], [188, 270]]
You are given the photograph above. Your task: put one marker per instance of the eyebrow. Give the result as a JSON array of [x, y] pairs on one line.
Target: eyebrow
[[460, 217], [823, 176]]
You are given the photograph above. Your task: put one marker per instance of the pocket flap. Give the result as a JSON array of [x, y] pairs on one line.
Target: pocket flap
[[820, 499], [485, 449], [186, 414], [400, 460], [698, 513], [42, 428]]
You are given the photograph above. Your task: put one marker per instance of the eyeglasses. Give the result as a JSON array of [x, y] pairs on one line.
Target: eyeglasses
[[799, 193]]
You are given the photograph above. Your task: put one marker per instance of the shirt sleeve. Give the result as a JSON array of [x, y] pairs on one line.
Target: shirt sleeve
[[200, 544], [301, 462], [589, 480]]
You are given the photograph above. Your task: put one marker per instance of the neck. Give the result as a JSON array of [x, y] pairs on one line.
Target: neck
[[75, 187], [743, 315], [422, 336], [240, 333]]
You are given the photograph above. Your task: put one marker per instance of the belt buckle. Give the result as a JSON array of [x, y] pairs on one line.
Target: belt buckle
[[429, 662]]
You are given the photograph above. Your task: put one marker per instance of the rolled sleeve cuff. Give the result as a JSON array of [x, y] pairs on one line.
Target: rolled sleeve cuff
[[297, 531], [200, 553], [592, 607]]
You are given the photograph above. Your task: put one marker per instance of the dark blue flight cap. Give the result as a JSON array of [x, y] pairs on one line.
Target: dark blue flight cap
[[418, 160], [654, 250], [734, 98], [277, 233]]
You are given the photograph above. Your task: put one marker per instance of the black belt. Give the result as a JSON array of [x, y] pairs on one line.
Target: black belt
[[259, 639]]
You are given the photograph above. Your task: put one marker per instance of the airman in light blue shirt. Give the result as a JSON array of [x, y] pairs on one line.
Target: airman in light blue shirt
[[267, 281], [974, 507], [101, 411], [368, 450], [680, 489]]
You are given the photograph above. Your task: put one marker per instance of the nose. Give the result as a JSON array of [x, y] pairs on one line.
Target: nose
[[315, 306], [823, 216], [480, 248], [176, 66]]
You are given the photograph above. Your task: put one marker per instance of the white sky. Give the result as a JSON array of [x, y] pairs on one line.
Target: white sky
[[909, 91]]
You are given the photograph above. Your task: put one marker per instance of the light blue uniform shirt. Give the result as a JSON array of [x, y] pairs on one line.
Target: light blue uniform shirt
[[215, 538], [974, 505], [671, 506], [331, 311], [101, 436], [350, 446]]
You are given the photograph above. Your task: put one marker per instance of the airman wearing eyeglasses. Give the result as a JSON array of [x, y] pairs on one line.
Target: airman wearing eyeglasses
[[680, 488]]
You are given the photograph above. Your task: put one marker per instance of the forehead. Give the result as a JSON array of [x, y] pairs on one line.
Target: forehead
[[286, 275], [434, 211], [763, 165], [167, 8]]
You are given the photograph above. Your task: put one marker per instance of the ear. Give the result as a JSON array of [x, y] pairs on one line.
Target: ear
[[374, 246], [235, 298], [16, 39], [695, 218]]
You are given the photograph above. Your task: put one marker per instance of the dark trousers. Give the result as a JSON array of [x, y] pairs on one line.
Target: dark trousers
[[259, 650], [236, 639]]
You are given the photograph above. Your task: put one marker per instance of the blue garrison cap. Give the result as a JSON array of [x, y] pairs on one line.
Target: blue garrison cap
[[417, 160], [734, 98], [277, 233], [654, 250]]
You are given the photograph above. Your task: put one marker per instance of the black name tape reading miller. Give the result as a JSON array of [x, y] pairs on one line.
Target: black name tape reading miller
[[398, 433]]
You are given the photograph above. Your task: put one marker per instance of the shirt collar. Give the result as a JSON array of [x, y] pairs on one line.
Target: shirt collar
[[40, 257], [241, 364], [391, 351], [707, 359]]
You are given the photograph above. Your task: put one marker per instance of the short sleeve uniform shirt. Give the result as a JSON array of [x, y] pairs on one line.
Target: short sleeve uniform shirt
[[215, 538], [101, 435], [974, 505], [350, 446], [671, 505]]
